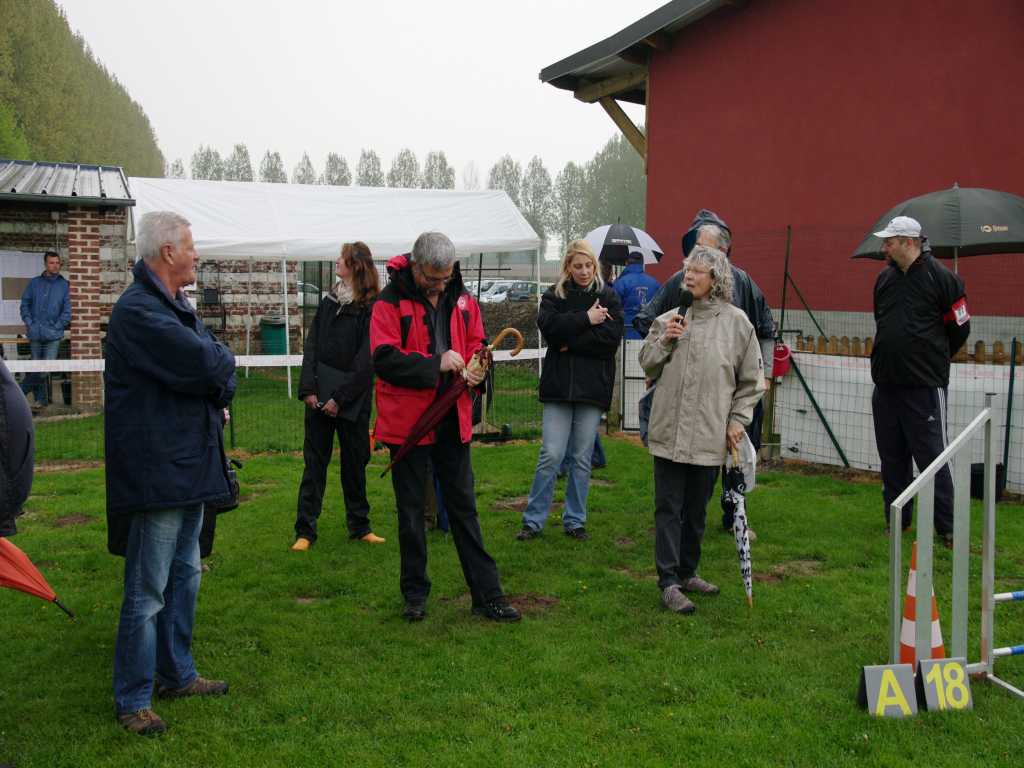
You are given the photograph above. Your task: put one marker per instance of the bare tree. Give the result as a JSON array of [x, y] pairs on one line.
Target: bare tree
[[272, 168], [175, 170], [470, 177], [506, 174], [238, 167], [567, 202], [535, 196], [304, 172], [206, 164], [405, 171]]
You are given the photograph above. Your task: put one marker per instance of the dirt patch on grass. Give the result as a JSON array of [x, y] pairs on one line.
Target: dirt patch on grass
[[518, 504], [303, 600], [69, 520], [809, 469], [531, 603], [624, 541], [601, 482], [789, 569], [635, 575], [68, 466]]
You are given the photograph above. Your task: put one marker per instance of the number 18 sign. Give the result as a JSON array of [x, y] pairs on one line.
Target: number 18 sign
[[943, 684]]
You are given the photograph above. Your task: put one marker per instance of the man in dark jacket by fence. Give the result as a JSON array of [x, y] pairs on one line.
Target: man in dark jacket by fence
[[922, 318], [46, 312], [166, 383]]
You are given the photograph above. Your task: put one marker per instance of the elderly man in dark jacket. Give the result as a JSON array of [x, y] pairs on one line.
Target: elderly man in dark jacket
[[166, 383]]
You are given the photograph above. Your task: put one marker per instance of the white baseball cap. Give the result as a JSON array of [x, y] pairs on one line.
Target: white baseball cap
[[901, 226]]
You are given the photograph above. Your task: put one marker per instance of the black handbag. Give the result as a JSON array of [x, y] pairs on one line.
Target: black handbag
[[229, 502]]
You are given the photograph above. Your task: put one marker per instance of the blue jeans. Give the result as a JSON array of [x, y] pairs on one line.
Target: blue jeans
[[161, 583], [569, 430], [39, 383], [597, 458]]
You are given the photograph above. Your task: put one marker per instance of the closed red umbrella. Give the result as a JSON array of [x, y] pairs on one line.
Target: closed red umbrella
[[18, 572], [443, 403]]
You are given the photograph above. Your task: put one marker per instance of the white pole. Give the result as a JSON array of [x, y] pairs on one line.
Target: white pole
[[284, 299]]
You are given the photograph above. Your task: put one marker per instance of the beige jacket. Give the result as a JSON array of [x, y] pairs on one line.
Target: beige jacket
[[709, 377]]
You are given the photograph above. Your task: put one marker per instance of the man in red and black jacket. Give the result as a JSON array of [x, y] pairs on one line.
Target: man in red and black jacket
[[922, 321], [424, 329]]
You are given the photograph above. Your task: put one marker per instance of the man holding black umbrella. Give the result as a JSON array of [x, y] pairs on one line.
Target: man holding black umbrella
[[922, 321], [424, 329]]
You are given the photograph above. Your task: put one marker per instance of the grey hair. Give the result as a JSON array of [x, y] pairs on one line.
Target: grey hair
[[722, 236], [156, 229], [718, 265], [433, 249]]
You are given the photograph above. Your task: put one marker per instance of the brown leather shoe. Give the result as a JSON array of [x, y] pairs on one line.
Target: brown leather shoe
[[301, 544], [198, 687], [145, 722], [372, 538]]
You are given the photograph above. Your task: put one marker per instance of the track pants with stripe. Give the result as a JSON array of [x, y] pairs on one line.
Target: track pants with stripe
[[910, 426]]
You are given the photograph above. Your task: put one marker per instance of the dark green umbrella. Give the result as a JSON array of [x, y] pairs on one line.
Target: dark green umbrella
[[958, 222]]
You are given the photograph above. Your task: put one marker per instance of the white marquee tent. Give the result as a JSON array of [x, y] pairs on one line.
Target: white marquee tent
[[256, 220], [299, 222]]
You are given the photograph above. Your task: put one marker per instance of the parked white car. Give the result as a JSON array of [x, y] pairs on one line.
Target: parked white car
[[310, 294], [496, 292]]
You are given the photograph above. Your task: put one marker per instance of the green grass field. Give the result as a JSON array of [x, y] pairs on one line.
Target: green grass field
[[323, 671]]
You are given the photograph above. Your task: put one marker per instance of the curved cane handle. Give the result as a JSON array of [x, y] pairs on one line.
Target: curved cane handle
[[501, 337]]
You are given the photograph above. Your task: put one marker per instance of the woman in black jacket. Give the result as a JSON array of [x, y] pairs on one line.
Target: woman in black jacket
[[581, 320], [336, 385]]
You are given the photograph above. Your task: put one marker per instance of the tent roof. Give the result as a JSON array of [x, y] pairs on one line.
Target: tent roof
[[263, 221]]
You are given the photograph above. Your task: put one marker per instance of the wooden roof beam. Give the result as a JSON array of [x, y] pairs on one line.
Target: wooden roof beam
[[633, 134], [610, 86], [659, 41]]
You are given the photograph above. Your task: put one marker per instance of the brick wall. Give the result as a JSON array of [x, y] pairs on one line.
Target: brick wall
[[92, 245]]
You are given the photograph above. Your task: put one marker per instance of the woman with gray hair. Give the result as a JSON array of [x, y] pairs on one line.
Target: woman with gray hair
[[710, 376]]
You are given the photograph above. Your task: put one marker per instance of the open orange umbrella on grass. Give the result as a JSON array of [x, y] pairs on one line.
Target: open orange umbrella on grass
[[18, 572]]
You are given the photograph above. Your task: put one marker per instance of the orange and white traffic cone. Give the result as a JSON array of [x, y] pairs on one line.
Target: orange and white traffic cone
[[907, 637]]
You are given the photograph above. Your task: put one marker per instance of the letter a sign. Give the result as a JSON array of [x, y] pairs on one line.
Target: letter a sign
[[887, 690]]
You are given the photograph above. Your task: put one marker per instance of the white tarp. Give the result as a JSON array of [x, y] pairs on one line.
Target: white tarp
[[256, 220]]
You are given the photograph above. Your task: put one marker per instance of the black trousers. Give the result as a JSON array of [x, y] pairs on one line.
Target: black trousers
[[681, 495], [910, 425], [754, 433], [354, 439], [451, 461]]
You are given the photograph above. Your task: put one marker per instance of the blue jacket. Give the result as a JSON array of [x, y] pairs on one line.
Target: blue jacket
[[46, 307], [635, 288], [165, 383]]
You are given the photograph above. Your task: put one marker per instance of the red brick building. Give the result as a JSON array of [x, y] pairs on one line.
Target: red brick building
[[79, 211], [821, 116]]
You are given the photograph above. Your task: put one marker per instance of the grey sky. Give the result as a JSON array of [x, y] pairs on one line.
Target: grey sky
[[322, 75]]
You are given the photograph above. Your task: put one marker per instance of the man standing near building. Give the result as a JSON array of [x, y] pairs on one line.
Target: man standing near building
[[709, 229], [166, 383], [922, 321], [46, 312], [424, 329], [635, 289]]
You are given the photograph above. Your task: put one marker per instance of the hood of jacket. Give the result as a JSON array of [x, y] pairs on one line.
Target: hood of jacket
[[704, 216], [400, 274]]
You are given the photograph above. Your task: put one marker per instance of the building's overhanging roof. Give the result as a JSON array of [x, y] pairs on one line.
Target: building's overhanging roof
[[65, 183], [619, 62]]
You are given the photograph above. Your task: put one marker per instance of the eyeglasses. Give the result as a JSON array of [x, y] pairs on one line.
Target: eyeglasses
[[434, 279]]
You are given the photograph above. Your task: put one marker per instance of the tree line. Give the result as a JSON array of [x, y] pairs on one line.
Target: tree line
[[58, 103], [609, 187]]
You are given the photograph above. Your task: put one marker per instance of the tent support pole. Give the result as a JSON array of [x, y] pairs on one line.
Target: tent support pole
[[287, 330]]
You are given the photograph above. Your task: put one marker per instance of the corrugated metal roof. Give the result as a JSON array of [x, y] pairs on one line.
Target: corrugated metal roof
[[612, 56], [70, 183]]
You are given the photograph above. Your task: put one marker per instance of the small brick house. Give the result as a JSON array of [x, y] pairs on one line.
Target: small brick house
[[79, 211]]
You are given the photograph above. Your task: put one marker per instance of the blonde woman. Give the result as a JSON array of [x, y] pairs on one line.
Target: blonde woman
[[581, 320], [710, 376]]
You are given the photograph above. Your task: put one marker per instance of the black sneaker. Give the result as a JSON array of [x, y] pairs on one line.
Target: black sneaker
[[414, 612], [498, 609], [580, 534], [527, 533]]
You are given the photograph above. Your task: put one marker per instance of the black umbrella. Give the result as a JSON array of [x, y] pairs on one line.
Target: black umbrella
[[958, 222], [613, 242]]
